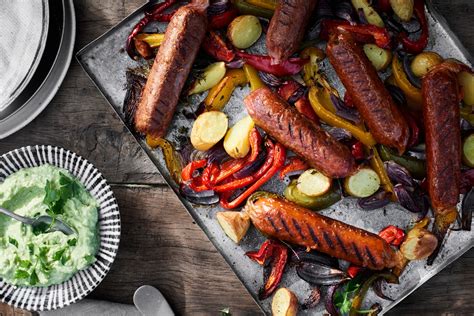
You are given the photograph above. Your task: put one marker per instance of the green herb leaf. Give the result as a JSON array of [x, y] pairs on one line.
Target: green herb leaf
[[24, 263], [89, 259], [52, 195], [21, 274], [72, 242], [34, 278], [31, 248], [13, 241], [225, 312], [343, 297], [65, 259], [57, 256]]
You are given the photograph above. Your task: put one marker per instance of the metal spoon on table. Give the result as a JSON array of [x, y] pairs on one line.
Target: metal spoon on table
[[150, 302], [40, 222]]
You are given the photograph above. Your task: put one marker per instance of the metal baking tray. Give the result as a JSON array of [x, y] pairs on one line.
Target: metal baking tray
[[106, 62]]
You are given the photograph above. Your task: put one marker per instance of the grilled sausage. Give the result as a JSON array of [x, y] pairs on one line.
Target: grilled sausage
[[440, 94], [170, 70], [295, 131], [281, 219], [379, 111], [287, 27]]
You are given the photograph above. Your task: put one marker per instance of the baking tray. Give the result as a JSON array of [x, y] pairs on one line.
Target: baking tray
[[106, 62]]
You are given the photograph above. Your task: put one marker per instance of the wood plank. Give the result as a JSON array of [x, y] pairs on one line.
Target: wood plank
[[163, 247]]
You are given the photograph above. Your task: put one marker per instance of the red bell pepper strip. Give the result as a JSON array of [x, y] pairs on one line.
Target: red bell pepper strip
[[219, 21], [262, 254], [303, 106], [274, 254], [243, 182], [392, 235], [357, 150], [188, 171], [366, 33], [216, 47], [155, 14], [289, 67], [414, 130], [210, 174], [417, 46], [294, 164], [354, 270], [348, 100], [278, 161], [232, 166]]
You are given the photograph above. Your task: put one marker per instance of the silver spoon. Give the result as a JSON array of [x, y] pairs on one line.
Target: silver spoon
[[40, 222], [150, 302]]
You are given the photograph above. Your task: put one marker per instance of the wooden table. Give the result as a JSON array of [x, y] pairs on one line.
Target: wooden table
[[161, 245]]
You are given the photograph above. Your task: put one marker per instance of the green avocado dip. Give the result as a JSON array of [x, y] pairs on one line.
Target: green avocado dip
[[41, 257]]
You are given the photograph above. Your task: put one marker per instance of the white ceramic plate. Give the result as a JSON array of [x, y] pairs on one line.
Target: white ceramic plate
[[83, 282]]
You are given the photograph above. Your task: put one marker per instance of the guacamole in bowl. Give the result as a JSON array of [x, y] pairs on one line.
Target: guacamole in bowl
[[39, 257]]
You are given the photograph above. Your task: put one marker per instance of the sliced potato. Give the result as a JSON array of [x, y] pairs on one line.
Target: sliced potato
[[313, 183], [244, 31], [234, 224], [379, 57], [466, 81], [468, 151], [419, 244], [403, 8], [209, 78], [363, 183], [236, 141], [423, 62], [284, 303], [370, 14], [208, 129]]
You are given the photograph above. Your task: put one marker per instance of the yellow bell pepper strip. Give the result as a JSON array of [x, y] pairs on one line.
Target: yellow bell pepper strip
[[332, 119], [172, 158], [311, 73], [245, 7], [253, 77], [152, 39], [412, 93], [377, 164], [220, 94], [266, 4]]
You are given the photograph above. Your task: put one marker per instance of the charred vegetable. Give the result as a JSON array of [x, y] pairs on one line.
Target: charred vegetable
[[209, 78], [234, 224], [363, 183], [320, 274], [419, 244], [314, 203], [415, 166], [236, 141], [244, 31], [379, 57], [284, 303], [370, 14], [220, 94], [466, 80], [468, 151], [313, 183], [403, 9], [423, 62], [208, 129]]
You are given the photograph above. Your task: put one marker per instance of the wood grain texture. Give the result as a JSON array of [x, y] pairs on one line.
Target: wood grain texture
[[160, 244], [163, 247]]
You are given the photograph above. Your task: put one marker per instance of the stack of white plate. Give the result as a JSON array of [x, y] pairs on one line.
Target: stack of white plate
[[36, 45]]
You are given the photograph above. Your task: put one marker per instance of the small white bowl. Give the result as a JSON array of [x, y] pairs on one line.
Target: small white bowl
[[84, 281]]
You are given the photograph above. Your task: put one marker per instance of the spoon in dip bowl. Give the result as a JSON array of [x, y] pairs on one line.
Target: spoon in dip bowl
[[43, 223]]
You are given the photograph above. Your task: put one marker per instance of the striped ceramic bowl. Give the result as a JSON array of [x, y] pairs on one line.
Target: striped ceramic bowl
[[83, 282]]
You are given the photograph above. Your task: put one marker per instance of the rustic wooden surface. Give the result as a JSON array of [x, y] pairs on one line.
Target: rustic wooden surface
[[160, 244]]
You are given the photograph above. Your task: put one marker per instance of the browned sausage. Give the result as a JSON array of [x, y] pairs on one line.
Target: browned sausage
[[281, 219], [443, 141], [379, 111], [295, 131], [170, 70], [287, 27]]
